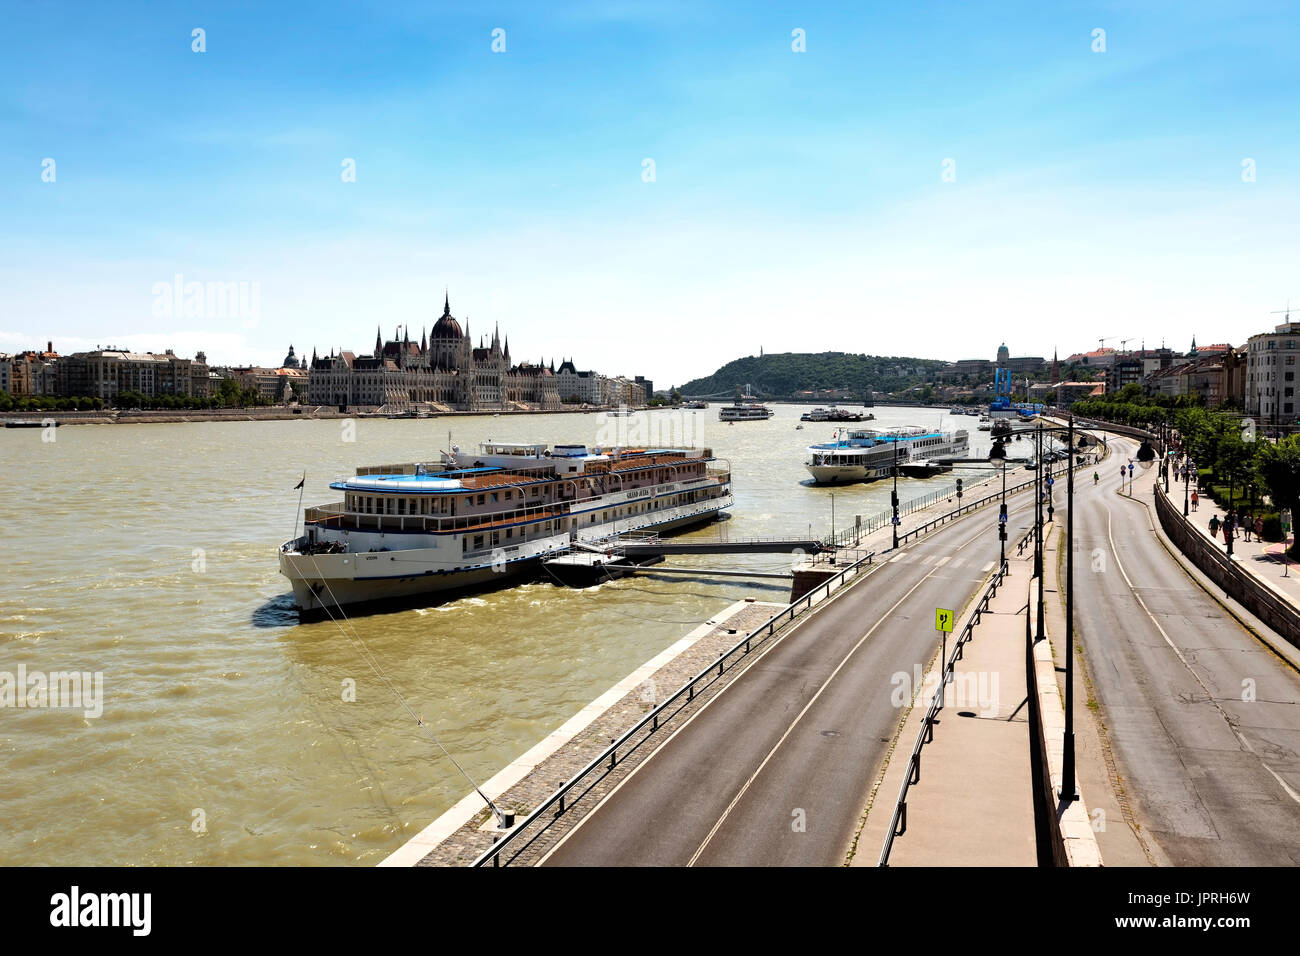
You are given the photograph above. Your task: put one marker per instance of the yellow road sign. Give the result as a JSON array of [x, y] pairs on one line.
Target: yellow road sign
[[942, 619]]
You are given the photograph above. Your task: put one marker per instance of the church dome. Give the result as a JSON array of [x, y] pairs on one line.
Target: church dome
[[446, 327]]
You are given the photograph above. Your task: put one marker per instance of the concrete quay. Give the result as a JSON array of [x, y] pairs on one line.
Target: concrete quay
[[463, 832]]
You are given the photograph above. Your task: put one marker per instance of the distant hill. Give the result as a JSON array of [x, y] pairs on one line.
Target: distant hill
[[783, 374]]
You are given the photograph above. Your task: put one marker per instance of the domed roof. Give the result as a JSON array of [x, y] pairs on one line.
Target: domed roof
[[446, 327]]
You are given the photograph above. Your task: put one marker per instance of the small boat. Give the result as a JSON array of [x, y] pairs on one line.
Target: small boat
[[24, 423], [865, 454], [742, 412]]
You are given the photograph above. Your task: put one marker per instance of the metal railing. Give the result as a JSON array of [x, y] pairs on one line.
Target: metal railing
[[978, 503], [898, 823], [1242, 586], [335, 514], [604, 763]]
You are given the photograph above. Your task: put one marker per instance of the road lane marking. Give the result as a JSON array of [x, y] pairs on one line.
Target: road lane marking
[[789, 730], [942, 561], [663, 745], [1209, 696], [987, 568]]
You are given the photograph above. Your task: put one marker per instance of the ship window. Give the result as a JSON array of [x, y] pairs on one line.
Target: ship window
[[482, 498]]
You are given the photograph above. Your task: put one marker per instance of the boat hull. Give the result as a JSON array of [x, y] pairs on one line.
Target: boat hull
[[324, 583], [846, 474]]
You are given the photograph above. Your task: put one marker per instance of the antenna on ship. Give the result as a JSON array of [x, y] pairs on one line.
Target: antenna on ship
[[301, 482]]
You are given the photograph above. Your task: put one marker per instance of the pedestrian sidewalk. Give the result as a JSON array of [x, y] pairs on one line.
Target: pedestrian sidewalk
[[1266, 560], [974, 802]]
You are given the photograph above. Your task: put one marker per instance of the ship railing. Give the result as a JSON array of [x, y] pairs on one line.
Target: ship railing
[[335, 515], [507, 848], [435, 467]]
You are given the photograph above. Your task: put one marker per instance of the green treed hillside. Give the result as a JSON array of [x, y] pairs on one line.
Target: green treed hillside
[[782, 375]]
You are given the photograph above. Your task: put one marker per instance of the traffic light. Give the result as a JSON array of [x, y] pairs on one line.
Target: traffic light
[[958, 487]]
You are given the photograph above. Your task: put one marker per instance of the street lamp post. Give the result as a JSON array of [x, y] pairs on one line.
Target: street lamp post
[[1002, 521], [894, 494], [1051, 510], [1068, 791], [1040, 634]]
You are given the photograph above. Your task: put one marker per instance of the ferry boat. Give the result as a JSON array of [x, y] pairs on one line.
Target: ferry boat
[[746, 412], [407, 530], [834, 414], [696, 404], [865, 454]]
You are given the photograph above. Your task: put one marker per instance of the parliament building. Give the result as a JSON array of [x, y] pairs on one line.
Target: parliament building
[[444, 371]]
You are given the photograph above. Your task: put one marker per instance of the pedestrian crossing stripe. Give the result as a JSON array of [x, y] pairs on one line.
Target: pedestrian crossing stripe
[[987, 567], [941, 562]]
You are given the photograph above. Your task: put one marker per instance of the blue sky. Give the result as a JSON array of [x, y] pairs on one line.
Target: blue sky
[[798, 202]]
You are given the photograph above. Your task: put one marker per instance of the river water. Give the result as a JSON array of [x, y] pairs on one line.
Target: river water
[[147, 554]]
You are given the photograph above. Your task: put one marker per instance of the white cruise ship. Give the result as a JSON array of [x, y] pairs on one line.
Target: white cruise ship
[[407, 530], [865, 454], [744, 412]]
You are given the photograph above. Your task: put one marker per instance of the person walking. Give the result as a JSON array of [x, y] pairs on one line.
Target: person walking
[[1247, 525], [1259, 528], [1095, 477], [1214, 526], [1195, 500]]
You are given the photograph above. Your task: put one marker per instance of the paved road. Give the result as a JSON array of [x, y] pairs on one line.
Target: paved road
[[798, 737], [1215, 780]]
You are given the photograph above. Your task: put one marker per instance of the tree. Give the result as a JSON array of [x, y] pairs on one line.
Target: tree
[[1278, 469], [1236, 460]]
